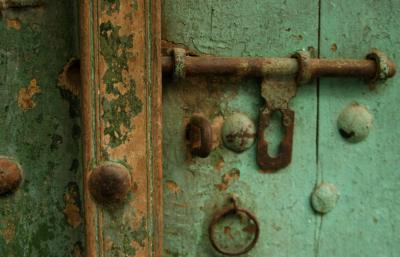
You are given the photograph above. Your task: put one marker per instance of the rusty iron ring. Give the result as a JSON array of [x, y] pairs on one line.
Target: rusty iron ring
[[199, 134], [233, 209], [304, 75], [384, 69], [179, 63]]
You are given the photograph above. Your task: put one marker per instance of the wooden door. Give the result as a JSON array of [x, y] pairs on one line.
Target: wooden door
[[358, 178]]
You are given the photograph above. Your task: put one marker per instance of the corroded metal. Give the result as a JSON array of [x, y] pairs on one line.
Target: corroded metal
[[324, 198], [354, 123], [238, 132], [277, 93], [233, 209], [109, 183], [10, 175], [299, 64], [199, 135]]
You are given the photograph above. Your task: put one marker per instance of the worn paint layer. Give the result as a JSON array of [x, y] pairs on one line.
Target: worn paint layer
[[25, 95], [41, 218], [280, 201]]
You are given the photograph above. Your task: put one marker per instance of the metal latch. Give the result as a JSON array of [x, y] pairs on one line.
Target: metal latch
[[280, 79]]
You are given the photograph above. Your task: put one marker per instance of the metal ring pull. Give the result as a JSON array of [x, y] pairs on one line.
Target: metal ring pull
[[199, 134], [229, 210]]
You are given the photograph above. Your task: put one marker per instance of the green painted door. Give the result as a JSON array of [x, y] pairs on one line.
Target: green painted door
[[40, 129], [345, 146]]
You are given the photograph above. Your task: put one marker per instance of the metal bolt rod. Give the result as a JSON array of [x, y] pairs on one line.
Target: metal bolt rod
[[259, 66]]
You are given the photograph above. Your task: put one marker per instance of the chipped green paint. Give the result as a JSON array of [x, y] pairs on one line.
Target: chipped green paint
[[118, 111], [44, 139], [110, 6]]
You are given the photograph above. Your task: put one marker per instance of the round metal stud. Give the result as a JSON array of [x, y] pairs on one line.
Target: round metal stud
[[109, 183], [324, 198], [354, 123], [238, 132], [10, 175]]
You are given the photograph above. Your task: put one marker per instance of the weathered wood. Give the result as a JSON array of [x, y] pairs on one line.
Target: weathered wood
[[194, 187], [365, 221], [40, 128], [122, 122]]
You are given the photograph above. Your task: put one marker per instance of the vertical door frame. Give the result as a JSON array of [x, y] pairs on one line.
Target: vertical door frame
[[134, 27]]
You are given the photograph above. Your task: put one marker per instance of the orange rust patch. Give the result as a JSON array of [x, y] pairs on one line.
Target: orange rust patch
[[9, 233], [333, 47], [14, 24], [228, 179], [173, 187], [25, 95], [220, 164], [70, 78], [216, 130], [71, 210]]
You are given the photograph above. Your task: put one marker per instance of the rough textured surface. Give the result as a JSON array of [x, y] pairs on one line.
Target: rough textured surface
[[365, 221], [40, 128], [195, 188], [121, 119]]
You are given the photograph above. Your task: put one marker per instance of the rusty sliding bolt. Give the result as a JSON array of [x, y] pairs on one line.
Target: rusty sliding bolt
[[376, 65], [280, 79]]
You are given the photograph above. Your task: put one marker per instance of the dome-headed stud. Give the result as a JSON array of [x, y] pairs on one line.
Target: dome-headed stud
[[109, 183], [10, 175]]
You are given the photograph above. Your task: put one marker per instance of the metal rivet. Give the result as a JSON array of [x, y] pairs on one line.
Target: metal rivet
[[10, 175], [238, 132], [324, 198], [109, 183], [354, 123]]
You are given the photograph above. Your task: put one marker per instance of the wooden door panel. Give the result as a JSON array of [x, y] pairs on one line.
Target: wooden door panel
[[40, 129], [195, 188], [365, 221]]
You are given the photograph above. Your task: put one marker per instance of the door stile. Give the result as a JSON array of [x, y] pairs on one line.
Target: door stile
[[121, 110]]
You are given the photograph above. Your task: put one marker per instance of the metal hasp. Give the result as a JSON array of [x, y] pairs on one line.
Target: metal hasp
[[280, 79]]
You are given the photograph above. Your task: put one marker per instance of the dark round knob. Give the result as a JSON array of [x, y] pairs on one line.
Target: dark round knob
[[10, 175], [109, 183]]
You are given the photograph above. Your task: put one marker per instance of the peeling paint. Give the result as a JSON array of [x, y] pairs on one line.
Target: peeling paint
[[71, 210], [173, 187], [14, 24], [227, 179], [25, 95], [9, 232], [121, 102]]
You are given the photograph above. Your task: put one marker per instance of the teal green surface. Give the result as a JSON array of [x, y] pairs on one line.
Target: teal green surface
[[44, 217], [196, 188], [365, 220]]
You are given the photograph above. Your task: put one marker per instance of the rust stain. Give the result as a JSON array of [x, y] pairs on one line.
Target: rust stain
[[220, 164], [25, 95], [9, 233], [70, 78], [14, 24], [228, 179], [333, 47], [216, 130], [71, 209], [173, 187]]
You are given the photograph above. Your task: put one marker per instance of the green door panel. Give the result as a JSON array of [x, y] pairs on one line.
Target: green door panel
[[195, 188], [365, 221], [40, 129]]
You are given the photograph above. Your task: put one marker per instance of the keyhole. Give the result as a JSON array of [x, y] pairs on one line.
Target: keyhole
[[274, 133]]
